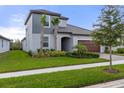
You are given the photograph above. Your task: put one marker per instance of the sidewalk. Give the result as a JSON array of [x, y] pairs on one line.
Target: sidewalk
[[111, 84], [55, 69], [114, 57]]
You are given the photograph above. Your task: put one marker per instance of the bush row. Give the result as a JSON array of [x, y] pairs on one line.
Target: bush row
[[63, 53], [49, 53], [80, 52], [120, 50], [83, 55]]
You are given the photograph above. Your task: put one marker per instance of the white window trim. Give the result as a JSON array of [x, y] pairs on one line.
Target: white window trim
[[49, 22], [48, 42]]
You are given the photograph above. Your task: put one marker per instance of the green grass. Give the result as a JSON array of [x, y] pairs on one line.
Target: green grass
[[72, 78], [19, 60], [120, 54]]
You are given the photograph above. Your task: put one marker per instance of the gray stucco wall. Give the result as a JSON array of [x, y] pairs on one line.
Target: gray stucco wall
[[36, 41], [29, 34], [5, 46], [24, 48], [36, 25]]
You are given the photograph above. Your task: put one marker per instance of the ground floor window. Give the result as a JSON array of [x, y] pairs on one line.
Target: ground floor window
[[46, 42], [2, 43]]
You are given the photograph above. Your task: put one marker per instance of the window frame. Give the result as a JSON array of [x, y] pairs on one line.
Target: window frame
[[49, 21], [47, 42]]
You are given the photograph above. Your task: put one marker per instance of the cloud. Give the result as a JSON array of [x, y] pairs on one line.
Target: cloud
[[15, 28], [17, 20], [12, 32]]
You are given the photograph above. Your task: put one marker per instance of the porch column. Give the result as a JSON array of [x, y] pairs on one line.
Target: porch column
[[58, 42]]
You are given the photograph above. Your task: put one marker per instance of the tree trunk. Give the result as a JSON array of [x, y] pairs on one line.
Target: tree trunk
[[41, 39], [55, 36], [110, 52]]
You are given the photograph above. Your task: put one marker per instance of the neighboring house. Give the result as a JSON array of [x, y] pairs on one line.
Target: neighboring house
[[68, 35], [24, 46], [4, 44]]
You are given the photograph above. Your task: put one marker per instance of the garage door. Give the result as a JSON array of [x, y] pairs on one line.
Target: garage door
[[91, 46]]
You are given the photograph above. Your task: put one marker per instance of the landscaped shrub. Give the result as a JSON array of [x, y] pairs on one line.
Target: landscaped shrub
[[81, 52], [120, 50], [15, 45], [49, 53], [45, 50], [106, 49], [114, 52], [91, 55], [30, 53], [83, 55], [56, 53], [80, 49]]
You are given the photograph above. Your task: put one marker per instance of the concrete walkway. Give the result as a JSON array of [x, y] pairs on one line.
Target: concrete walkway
[[55, 69], [114, 57], [111, 84]]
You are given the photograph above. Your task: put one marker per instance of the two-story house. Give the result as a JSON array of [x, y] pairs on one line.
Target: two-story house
[[68, 35]]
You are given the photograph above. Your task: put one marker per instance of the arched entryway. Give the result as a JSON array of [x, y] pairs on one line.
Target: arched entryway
[[66, 44]]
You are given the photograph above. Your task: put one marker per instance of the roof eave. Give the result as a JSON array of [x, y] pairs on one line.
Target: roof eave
[[75, 33], [64, 18], [5, 38]]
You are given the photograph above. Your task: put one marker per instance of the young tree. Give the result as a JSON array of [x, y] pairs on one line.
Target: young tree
[[110, 28], [16, 45], [43, 23], [55, 23]]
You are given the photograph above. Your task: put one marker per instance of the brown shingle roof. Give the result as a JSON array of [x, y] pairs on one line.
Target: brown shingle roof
[[75, 30]]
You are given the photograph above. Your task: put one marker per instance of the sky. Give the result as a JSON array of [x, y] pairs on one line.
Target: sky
[[12, 17]]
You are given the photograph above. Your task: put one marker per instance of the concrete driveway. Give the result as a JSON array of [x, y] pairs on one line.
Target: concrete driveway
[[114, 57], [111, 84]]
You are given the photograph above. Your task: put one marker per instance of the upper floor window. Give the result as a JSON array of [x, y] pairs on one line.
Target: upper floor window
[[63, 23], [47, 25]]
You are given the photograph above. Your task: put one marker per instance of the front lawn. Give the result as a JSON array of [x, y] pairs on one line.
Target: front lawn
[[120, 54], [72, 78], [19, 60]]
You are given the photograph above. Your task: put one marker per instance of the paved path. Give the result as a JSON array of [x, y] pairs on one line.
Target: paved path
[[114, 57], [55, 69], [111, 84]]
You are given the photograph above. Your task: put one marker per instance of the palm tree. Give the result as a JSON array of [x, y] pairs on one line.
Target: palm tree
[[43, 23], [55, 23]]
